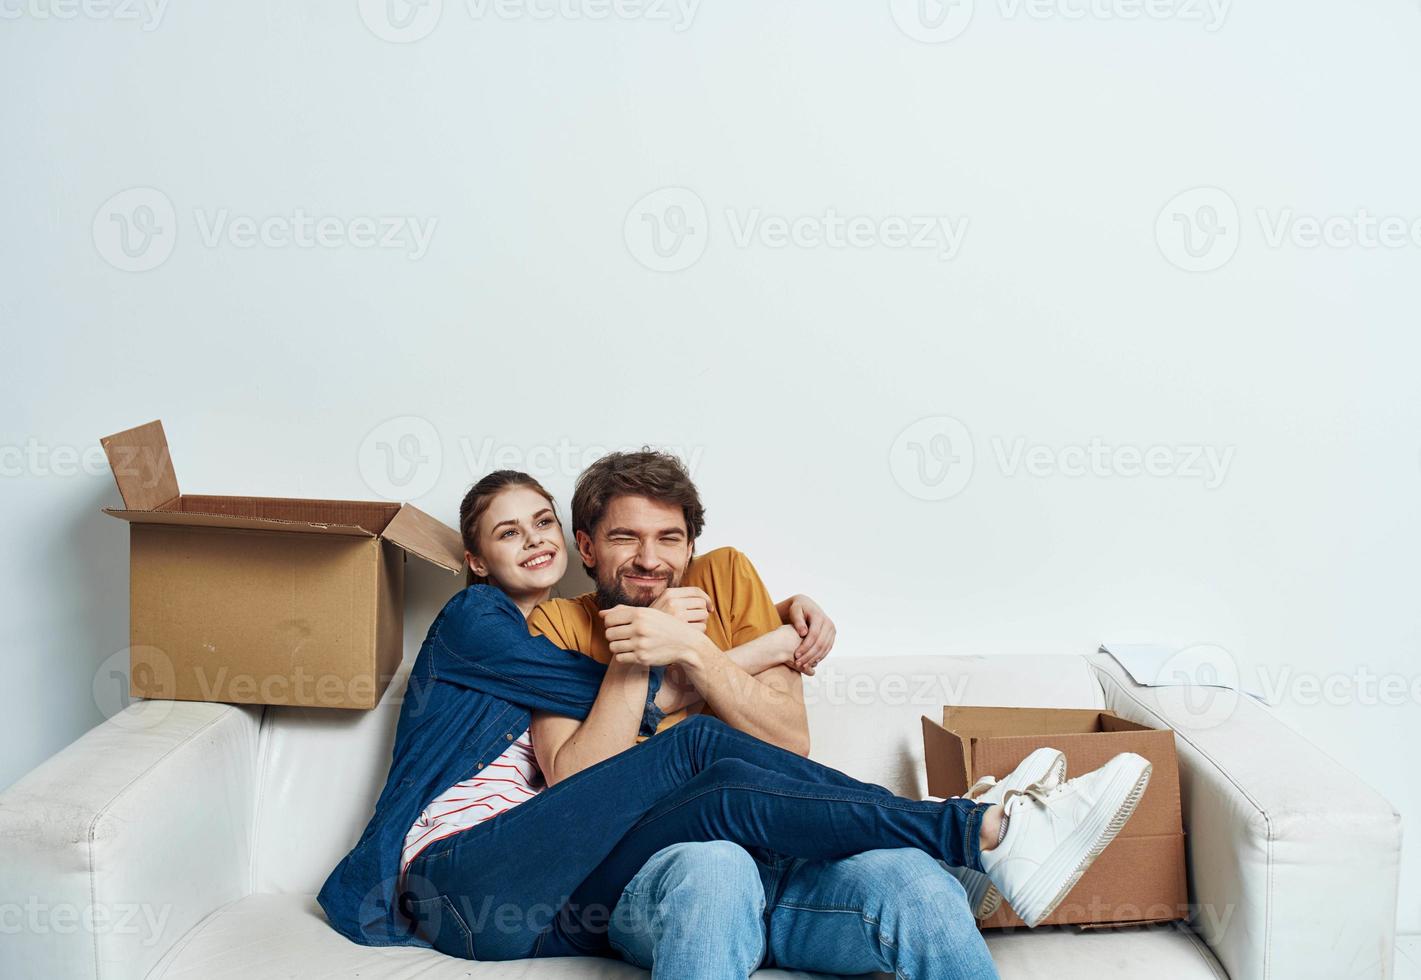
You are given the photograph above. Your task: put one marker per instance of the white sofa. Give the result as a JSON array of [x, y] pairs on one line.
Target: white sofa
[[186, 840]]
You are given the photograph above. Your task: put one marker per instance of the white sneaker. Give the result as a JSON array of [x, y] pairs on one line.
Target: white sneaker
[[1053, 835], [1046, 767]]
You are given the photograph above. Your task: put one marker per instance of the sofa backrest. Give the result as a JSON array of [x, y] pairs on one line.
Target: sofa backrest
[[320, 770]]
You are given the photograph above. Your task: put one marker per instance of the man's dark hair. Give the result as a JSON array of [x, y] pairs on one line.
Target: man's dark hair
[[645, 473]]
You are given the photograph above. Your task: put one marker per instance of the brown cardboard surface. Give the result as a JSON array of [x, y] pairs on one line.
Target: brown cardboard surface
[[263, 600], [179, 518], [372, 516], [142, 466], [1114, 892], [254, 617], [1140, 876], [419, 534]]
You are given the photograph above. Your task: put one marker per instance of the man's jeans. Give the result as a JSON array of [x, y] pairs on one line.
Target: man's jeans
[[699, 912], [567, 854]]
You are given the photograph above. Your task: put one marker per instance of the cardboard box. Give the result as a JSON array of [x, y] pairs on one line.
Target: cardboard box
[[1141, 876], [263, 600]]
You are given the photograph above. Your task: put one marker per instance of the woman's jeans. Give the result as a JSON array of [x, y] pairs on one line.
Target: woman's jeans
[[542, 879]]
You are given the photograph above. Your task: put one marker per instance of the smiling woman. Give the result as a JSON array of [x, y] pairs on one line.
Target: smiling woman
[[512, 535]]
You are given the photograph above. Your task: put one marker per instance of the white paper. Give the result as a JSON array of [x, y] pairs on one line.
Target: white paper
[[1161, 665]]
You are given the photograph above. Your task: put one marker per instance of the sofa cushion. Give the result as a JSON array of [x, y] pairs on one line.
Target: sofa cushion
[[269, 936]]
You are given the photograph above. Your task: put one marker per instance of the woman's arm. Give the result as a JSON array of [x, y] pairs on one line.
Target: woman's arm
[[481, 641], [755, 657], [815, 629]]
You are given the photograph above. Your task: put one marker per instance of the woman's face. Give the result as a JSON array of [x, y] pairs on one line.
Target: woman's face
[[520, 543]]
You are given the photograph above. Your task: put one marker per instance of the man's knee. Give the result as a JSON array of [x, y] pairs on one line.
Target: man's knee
[[704, 894], [706, 871], [917, 893]]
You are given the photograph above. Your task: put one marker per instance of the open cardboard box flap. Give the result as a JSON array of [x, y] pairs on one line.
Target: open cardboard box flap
[[143, 469]]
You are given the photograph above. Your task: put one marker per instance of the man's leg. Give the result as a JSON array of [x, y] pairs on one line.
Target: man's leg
[[693, 912], [895, 911]]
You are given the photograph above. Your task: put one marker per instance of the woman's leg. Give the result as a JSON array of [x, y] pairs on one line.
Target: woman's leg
[[500, 883], [737, 801]]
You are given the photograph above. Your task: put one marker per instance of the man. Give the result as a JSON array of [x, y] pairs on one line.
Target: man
[[713, 909]]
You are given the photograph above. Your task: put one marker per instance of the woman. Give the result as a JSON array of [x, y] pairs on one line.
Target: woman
[[541, 875]]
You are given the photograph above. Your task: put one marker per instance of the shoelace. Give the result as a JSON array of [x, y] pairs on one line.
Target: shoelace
[[1035, 791]]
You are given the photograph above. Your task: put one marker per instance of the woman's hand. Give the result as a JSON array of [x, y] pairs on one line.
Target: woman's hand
[[648, 637], [815, 628]]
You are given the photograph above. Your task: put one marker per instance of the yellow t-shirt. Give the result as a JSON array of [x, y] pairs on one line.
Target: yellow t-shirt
[[743, 611]]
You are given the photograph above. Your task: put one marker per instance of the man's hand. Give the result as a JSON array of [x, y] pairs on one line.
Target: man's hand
[[688, 604], [815, 628], [648, 637]]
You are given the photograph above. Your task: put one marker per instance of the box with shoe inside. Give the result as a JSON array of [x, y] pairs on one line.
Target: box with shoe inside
[[1140, 876], [263, 600]]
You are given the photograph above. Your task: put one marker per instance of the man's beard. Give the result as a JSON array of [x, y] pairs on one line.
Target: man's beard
[[612, 593]]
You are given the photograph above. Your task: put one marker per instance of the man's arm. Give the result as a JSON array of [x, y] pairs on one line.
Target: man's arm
[[769, 706]]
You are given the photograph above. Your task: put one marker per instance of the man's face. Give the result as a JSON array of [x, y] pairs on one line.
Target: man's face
[[638, 551]]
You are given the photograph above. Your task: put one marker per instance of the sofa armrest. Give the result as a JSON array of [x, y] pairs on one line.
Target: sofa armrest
[[118, 845], [1293, 860]]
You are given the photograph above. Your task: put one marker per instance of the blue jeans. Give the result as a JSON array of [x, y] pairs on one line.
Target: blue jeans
[[542, 879], [708, 911]]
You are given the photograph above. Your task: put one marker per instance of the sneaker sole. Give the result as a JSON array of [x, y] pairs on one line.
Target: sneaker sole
[[991, 901], [1122, 814]]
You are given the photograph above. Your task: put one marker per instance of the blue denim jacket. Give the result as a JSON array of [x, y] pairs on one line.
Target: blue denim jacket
[[472, 689]]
